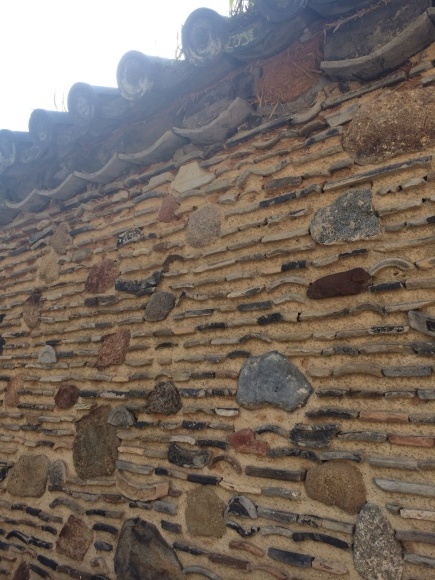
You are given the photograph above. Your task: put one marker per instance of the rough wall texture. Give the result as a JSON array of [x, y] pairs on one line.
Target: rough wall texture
[[150, 451]]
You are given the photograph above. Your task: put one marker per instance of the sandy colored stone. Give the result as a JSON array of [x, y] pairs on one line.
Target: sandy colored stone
[[48, 267], [143, 554], [168, 208], [205, 512], [377, 554], [337, 483], [159, 306], [191, 176], [74, 539], [113, 349], [165, 399], [66, 396], [32, 310], [351, 217], [204, 226], [61, 239], [28, 477], [95, 447], [11, 398], [392, 124], [102, 276]]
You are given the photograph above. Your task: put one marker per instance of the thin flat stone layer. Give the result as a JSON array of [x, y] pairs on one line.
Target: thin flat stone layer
[[349, 218], [270, 379], [377, 554], [143, 554]]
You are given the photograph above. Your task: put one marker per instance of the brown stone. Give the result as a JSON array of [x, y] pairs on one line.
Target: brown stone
[[95, 447], [337, 483], [204, 226], [245, 441], [114, 349], [205, 513], [143, 554], [22, 572], [159, 306], [347, 283], [384, 417], [61, 239], [168, 208], [66, 396], [411, 441], [165, 399], [74, 539], [393, 124], [101, 276], [11, 397], [28, 477], [32, 310]]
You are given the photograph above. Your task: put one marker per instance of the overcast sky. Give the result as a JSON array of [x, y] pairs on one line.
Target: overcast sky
[[48, 45]]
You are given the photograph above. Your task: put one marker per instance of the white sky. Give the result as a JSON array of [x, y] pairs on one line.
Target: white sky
[[48, 45]]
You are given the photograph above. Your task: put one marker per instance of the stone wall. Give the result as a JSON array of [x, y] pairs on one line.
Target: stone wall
[[224, 363]]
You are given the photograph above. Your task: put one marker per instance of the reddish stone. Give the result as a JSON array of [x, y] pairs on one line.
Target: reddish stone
[[164, 398], [101, 276], [66, 396], [340, 284], [74, 539], [22, 572], [114, 349], [411, 441], [246, 441], [11, 397], [32, 310], [168, 208]]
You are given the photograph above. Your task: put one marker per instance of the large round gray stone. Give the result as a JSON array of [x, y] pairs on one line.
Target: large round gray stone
[[204, 226], [270, 379], [377, 554], [350, 218]]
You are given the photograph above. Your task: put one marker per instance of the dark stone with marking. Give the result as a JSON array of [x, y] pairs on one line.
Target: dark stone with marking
[[292, 452], [269, 472], [171, 527], [193, 550], [270, 319], [241, 506], [203, 479], [224, 560], [139, 287], [265, 305], [270, 379], [332, 414], [212, 326], [357, 252], [423, 348], [101, 527], [282, 182], [340, 284], [52, 564], [95, 447], [143, 554], [165, 398], [194, 425], [240, 530], [212, 443], [315, 436], [277, 200], [159, 306], [101, 546], [324, 538], [129, 237], [295, 265], [74, 539], [292, 558], [187, 458], [387, 286]]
